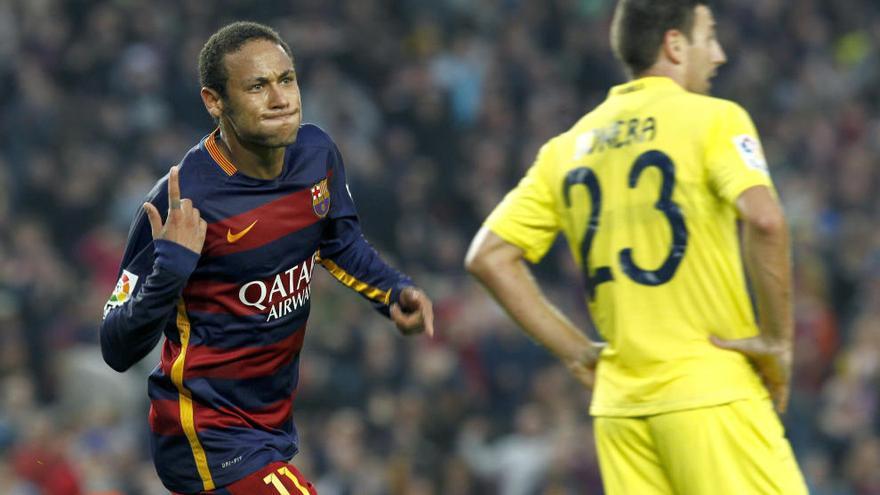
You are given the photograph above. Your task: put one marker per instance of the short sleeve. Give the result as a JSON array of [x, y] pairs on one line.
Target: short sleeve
[[527, 217], [734, 155]]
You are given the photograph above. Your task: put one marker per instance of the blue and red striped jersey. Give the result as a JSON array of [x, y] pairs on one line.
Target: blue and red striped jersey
[[234, 317]]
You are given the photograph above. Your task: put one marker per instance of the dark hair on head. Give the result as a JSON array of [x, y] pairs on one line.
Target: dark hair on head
[[639, 26], [229, 39]]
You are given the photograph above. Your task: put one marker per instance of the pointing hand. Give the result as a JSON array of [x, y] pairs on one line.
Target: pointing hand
[[184, 224]]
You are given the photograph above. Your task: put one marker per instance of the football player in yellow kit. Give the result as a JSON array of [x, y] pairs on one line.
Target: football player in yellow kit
[[648, 188]]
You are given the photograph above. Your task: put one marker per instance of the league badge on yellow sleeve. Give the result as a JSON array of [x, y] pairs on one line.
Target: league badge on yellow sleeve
[[750, 151], [122, 292]]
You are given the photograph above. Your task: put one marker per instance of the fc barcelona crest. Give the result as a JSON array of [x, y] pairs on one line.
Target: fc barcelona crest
[[321, 199]]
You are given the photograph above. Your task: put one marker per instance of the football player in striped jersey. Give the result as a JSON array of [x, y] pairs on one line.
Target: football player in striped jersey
[[219, 263]]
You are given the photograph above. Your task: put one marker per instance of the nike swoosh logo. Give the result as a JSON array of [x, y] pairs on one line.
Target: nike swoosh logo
[[233, 238]]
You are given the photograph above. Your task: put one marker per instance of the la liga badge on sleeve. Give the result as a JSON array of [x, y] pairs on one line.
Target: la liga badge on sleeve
[[123, 291], [751, 153]]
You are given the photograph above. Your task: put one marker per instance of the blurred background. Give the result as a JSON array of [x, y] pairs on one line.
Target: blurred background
[[438, 108]]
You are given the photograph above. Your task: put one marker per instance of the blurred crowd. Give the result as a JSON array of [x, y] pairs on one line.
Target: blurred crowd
[[438, 107]]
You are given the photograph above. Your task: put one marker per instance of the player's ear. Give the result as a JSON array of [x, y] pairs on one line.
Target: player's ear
[[213, 102], [674, 43]]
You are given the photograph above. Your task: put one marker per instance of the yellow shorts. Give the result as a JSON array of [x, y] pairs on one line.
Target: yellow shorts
[[737, 448]]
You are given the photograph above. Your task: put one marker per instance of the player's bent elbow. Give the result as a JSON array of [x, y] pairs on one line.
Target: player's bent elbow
[[490, 254], [482, 263], [761, 212], [769, 223], [114, 360], [116, 364], [475, 263]]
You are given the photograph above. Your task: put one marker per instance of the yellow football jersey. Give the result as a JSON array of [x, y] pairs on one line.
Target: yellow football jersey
[[644, 189]]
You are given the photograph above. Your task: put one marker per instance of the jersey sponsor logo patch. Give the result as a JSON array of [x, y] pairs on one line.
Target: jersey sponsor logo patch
[[281, 295], [750, 151], [233, 238], [123, 291], [321, 199]]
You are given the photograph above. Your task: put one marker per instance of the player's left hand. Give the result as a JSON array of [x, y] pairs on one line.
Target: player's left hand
[[772, 360], [414, 313]]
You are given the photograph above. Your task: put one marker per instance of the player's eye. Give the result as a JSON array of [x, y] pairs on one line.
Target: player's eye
[[255, 87]]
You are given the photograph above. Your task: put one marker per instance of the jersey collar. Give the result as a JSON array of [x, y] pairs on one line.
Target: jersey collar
[[217, 155], [641, 84]]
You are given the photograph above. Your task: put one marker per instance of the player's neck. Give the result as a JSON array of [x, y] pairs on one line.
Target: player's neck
[[258, 162], [665, 69]]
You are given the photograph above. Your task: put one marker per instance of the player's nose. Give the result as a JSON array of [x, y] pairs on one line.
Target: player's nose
[[278, 97], [718, 55]]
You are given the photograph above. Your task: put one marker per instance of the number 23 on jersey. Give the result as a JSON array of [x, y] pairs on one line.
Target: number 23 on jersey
[[584, 176]]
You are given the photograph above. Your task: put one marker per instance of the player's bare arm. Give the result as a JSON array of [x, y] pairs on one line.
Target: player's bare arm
[[766, 254], [184, 224], [500, 267], [414, 313]]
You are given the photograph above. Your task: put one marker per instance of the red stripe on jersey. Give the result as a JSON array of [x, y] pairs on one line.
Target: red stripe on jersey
[[267, 418], [165, 416], [243, 362], [216, 297], [291, 285], [170, 351], [261, 225]]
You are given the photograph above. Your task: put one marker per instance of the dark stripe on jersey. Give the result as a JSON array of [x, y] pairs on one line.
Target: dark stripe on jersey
[[249, 394], [161, 387], [176, 463], [224, 331], [257, 448], [274, 220]]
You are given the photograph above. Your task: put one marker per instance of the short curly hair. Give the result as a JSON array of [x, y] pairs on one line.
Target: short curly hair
[[639, 26], [229, 39]]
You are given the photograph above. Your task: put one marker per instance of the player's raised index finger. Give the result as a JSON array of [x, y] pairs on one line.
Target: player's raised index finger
[[174, 187], [429, 323]]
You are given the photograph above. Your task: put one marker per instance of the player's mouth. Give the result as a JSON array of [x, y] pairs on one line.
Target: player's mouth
[[280, 117]]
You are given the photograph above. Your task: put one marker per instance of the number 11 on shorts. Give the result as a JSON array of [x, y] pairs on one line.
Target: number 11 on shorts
[[274, 480]]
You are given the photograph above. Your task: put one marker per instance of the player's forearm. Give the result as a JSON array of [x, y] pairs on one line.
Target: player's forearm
[[347, 255], [768, 264], [130, 331], [123, 343], [512, 285]]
